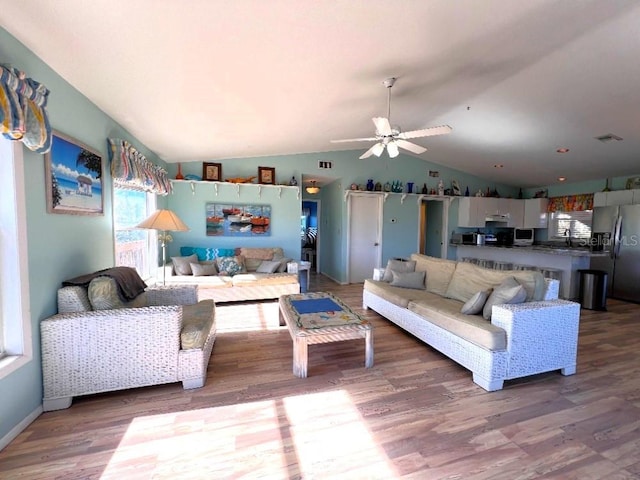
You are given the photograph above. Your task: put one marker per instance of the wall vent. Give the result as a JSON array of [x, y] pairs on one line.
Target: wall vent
[[324, 164], [609, 137]]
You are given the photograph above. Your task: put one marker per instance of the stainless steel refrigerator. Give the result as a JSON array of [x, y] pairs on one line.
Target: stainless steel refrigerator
[[617, 230]]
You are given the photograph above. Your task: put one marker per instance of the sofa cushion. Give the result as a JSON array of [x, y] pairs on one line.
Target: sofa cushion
[[445, 312], [468, 279], [197, 321], [230, 265], [103, 295], [509, 291], [204, 269], [399, 266], [476, 303], [413, 280], [182, 265], [256, 279], [439, 272], [396, 295], [268, 266]]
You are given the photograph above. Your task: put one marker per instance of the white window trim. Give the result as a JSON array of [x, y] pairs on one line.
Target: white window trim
[[14, 271]]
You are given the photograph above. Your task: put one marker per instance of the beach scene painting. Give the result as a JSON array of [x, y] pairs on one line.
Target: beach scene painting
[[73, 176], [238, 220]]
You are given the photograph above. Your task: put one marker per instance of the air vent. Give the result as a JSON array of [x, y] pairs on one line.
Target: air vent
[[324, 164], [610, 137]]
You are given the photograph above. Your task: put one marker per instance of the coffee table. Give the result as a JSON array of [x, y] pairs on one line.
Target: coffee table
[[320, 317]]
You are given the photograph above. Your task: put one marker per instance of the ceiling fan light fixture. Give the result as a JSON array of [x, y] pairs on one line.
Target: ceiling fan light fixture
[[378, 148], [392, 149], [312, 188]]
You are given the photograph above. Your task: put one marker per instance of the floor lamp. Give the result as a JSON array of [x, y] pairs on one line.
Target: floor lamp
[[164, 221]]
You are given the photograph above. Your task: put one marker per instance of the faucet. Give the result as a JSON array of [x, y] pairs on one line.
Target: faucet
[[567, 233]]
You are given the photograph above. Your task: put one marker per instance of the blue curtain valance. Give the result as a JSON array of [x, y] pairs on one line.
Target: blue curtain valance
[[130, 169], [23, 113]]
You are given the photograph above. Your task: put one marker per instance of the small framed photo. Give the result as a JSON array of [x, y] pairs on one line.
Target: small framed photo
[[212, 171], [267, 175], [73, 178]]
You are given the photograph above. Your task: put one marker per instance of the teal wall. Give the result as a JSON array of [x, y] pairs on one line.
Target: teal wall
[[59, 246]]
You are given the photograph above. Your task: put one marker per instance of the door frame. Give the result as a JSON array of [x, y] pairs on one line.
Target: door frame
[[318, 203], [379, 199], [422, 222]]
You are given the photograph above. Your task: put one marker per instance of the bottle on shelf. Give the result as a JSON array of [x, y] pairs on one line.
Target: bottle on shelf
[[179, 175]]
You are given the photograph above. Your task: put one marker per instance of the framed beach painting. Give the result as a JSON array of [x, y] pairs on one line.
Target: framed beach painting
[[73, 178], [238, 220]]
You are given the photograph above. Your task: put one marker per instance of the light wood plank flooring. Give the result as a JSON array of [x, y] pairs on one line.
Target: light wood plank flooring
[[415, 414]]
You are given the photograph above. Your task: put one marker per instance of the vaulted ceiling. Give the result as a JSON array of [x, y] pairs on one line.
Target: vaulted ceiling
[[211, 79]]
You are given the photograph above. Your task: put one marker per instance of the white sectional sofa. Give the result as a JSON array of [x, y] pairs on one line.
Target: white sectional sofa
[[522, 339]]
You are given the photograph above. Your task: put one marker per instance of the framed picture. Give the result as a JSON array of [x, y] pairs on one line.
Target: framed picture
[[267, 175], [73, 178], [212, 172], [237, 220]]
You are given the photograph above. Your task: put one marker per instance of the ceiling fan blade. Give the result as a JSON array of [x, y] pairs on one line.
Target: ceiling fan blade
[[392, 149], [383, 127], [426, 132], [412, 147], [367, 139], [376, 150]]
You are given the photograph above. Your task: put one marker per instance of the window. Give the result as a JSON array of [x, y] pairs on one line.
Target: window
[[578, 223], [134, 247], [15, 322]]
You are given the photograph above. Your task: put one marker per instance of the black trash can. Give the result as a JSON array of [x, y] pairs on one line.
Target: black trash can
[[593, 289]]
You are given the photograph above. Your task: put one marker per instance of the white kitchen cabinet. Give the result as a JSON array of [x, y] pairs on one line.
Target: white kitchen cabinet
[[514, 208], [535, 213], [614, 197], [473, 211], [468, 215]]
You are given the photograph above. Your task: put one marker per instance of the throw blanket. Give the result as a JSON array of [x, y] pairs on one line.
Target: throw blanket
[[129, 283]]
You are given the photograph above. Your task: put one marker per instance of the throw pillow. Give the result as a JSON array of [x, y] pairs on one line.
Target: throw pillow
[[475, 304], [398, 266], [230, 265], [413, 280], [509, 291], [204, 269], [268, 266], [182, 265], [283, 264], [103, 295], [207, 253]]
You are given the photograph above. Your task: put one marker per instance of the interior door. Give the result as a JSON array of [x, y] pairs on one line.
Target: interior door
[[365, 236]]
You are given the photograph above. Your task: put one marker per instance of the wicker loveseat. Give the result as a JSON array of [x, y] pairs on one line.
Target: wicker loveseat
[[521, 339], [86, 351], [201, 266]]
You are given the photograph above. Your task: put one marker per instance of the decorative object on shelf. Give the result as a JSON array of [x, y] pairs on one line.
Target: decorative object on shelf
[[293, 182], [354, 186], [387, 187], [479, 193], [541, 194], [466, 192], [73, 178], [606, 186], [164, 221], [212, 172], [409, 187], [632, 183], [362, 187], [179, 175], [425, 190], [378, 187], [440, 187], [191, 176], [237, 220], [241, 179], [312, 188], [397, 186], [370, 185], [455, 187], [267, 175]]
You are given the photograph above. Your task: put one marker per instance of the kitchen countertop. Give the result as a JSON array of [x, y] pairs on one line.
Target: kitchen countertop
[[543, 249]]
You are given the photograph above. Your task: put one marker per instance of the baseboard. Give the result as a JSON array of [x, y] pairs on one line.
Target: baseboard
[[15, 431], [337, 281]]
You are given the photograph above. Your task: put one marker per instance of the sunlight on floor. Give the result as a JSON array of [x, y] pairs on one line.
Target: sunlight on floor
[[320, 435], [247, 317]]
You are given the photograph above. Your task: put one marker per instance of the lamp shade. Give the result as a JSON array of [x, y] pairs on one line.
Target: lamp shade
[[312, 188], [164, 220]]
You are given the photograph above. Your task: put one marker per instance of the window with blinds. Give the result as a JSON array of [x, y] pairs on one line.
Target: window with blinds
[[578, 223]]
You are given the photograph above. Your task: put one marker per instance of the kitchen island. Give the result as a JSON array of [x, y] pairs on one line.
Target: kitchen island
[[567, 260]]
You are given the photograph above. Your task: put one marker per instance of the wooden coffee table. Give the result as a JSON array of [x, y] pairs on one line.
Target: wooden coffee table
[[320, 317]]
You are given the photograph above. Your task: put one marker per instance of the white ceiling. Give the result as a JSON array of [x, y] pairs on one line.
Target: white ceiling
[[211, 79]]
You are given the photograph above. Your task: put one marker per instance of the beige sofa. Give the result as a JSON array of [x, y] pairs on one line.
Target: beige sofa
[[87, 351], [249, 284], [521, 339]]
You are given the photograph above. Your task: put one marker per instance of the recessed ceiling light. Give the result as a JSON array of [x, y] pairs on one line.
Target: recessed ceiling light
[[562, 179], [562, 150], [498, 165]]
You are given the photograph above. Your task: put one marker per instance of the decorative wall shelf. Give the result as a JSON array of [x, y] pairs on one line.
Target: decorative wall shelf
[[238, 186], [403, 196]]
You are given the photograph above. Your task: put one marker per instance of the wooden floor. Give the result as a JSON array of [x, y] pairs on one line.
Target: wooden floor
[[415, 414]]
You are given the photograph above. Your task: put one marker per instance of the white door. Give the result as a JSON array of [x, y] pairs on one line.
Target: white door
[[365, 236]]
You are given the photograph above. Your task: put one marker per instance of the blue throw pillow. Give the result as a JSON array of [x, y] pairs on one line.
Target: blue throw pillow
[[207, 253]]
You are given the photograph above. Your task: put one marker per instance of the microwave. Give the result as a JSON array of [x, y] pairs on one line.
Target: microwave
[[523, 237]]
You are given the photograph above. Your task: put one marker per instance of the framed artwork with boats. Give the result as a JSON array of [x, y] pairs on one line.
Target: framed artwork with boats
[[237, 220]]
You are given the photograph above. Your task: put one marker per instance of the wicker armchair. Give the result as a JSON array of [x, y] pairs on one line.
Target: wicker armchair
[[86, 352]]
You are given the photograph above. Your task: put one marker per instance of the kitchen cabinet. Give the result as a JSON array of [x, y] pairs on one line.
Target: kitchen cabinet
[[473, 211], [514, 209], [535, 213], [615, 197]]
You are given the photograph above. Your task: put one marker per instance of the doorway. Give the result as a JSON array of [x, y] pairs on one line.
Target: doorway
[[364, 236], [434, 224], [310, 233]]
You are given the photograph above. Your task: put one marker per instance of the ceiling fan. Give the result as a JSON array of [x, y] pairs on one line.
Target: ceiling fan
[[391, 137]]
